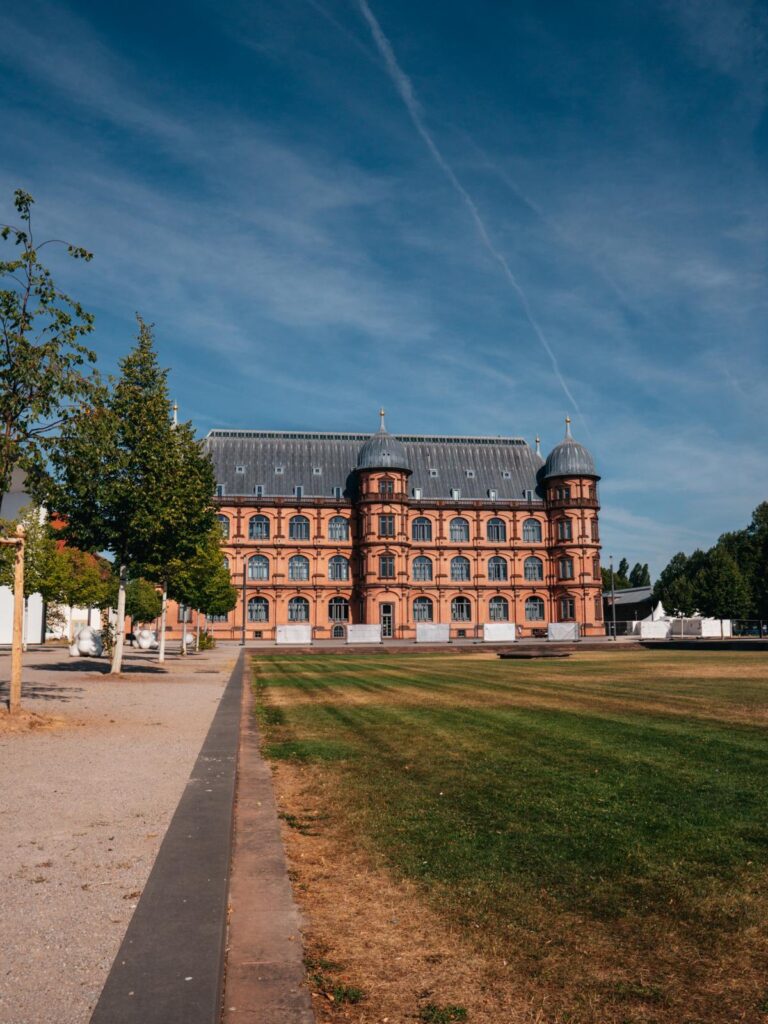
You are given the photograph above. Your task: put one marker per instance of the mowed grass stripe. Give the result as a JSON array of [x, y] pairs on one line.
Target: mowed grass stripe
[[514, 817]]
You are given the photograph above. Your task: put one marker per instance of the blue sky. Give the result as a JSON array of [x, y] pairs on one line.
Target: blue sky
[[482, 216]]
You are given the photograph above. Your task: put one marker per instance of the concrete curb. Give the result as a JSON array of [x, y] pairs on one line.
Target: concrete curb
[[169, 968], [266, 979]]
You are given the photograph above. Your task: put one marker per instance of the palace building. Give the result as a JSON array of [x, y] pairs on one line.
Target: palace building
[[329, 529]]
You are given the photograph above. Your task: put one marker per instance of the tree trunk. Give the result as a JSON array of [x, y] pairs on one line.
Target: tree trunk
[[117, 652], [163, 617], [25, 633], [197, 630], [184, 633]]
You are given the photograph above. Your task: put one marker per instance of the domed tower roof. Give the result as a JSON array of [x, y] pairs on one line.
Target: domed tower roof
[[569, 458], [383, 451]]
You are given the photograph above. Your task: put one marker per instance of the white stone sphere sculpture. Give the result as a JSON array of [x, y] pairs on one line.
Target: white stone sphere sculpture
[[87, 644], [146, 640]]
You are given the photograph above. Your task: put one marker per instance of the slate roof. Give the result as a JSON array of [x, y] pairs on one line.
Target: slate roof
[[279, 461]]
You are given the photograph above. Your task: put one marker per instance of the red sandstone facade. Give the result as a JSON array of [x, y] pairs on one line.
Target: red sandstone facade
[[386, 556]]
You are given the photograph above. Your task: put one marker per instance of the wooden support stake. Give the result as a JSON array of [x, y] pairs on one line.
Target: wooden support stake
[[14, 695]]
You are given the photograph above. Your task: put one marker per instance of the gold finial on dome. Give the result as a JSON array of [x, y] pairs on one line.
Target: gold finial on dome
[[538, 445], [381, 416], [567, 426]]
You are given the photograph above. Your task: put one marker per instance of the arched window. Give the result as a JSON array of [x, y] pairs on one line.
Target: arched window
[[338, 568], [422, 529], [565, 568], [223, 522], [338, 609], [422, 568], [338, 528], [496, 529], [497, 568], [499, 609], [532, 531], [258, 528], [225, 562], [461, 609], [459, 530], [258, 567], [258, 609], [298, 609], [298, 528], [534, 609], [298, 568], [338, 633], [567, 609], [459, 568], [533, 568], [422, 610]]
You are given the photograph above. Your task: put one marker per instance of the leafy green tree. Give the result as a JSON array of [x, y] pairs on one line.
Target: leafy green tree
[[43, 572], [622, 573], [127, 481], [202, 581], [86, 579], [640, 576], [44, 370], [142, 601], [674, 587], [720, 588]]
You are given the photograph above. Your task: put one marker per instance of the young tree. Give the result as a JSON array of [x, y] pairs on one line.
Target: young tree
[[142, 601], [44, 368], [123, 480], [202, 581]]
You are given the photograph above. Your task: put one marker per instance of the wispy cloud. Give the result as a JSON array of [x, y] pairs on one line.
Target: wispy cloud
[[405, 89]]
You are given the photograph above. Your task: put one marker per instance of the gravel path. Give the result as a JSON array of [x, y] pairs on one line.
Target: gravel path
[[83, 810]]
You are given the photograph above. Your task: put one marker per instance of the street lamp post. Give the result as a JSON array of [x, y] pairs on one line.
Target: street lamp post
[[613, 599], [242, 627]]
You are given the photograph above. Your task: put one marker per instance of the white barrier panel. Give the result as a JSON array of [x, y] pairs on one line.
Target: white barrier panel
[[293, 635], [653, 630], [493, 632], [432, 633], [716, 627], [563, 631], [363, 634]]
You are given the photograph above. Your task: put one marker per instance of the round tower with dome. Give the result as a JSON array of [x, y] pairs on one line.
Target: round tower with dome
[[382, 507], [569, 482]]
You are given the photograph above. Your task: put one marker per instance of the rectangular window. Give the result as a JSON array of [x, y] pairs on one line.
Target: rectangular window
[[219, 490], [387, 567], [417, 493], [598, 608], [336, 492], [563, 493], [316, 471], [596, 568], [470, 474], [567, 609], [455, 493], [279, 470], [387, 525], [564, 529], [506, 475], [386, 488], [216, 618], [566, 568], [493, 495], [527, 495], [239, 469], [298, 491], [595, 534], [433, 472], [258, 490]]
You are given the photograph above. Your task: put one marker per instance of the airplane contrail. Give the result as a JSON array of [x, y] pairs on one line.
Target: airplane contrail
[[404, 87]]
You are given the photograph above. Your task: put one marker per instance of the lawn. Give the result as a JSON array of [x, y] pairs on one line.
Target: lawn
[[595, 829]]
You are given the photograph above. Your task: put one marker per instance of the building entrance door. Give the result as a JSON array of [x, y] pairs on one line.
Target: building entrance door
[[387, 620]]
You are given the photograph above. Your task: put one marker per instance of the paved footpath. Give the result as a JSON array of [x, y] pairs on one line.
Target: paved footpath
[[83, 811]]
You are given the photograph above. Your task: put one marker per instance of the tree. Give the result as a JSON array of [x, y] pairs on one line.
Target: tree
[[203, 581], [127, 481], [640, 576], [142, 601], [720, 588], [44, 374], [674, 587]]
